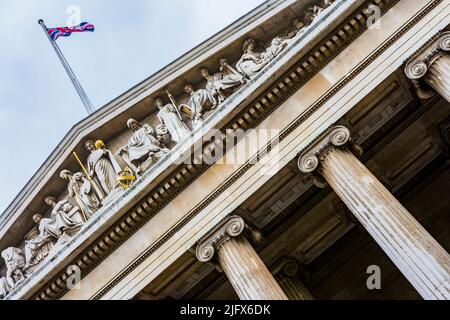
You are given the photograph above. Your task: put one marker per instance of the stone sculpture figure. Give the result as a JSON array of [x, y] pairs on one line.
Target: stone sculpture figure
[[5, 289], [296, 29], [81, 189], [14, 262], [60, 213], [39, 246], [169, 117], [199, 101], [143, 147], [102, 165], [59, 226], [64, 224], [221, 84], [312, 12], [252, 62], [277, 45]]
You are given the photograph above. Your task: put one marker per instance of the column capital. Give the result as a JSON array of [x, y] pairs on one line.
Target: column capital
[[231, 227], [335, 137], [286, 266], [418, 64]]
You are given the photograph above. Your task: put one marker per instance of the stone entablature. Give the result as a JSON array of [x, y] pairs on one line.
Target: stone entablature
[[197, 211], [55, 286], [93, 185]]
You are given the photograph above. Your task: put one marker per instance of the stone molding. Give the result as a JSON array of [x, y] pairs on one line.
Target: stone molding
[[335, 137], [138, 211], [418, 65], [232, 227]]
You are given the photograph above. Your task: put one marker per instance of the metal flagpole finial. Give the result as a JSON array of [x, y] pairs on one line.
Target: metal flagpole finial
[[41, 22]]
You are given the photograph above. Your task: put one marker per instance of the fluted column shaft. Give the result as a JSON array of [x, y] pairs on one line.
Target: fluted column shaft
[[247, 272], [240, 262], [286, 273], [420, 258], [438, 75], [294, 289]]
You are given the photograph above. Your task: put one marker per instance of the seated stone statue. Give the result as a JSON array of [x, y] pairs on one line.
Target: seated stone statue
[[222, 84], [39, 246], [66, 223], [143, 148], [199, 101]]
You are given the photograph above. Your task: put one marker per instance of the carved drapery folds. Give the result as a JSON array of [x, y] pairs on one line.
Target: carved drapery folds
[[49, 235], [234, 254], [144, 148], [97, 181], [102, 166], [429, 68], [412, 249]]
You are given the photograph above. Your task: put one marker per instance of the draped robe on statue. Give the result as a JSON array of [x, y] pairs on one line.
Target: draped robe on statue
[[50, 229], [251, 63], [38, 245], [102, 164], [81, 187], [199, 100], [142, 145], [168, 116], [277, 45], [223, 82]]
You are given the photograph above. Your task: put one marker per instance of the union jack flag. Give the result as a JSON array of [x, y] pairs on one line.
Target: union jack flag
[[55, 33]]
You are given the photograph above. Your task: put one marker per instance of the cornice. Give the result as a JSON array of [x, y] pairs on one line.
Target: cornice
[[119, 105], [257, 110], [174, 183]]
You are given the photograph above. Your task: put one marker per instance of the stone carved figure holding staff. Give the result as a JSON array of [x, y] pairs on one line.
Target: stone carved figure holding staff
[[81, 189], [169, 116]]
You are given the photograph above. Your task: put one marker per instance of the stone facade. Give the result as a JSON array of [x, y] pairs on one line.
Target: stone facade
[[130, 203]]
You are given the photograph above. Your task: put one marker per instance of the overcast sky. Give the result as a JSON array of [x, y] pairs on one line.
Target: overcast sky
[[132, 40]]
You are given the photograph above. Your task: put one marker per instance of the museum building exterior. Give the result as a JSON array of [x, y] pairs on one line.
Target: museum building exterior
[[298, 154]]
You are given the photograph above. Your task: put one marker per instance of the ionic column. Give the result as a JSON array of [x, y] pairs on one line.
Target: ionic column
[[412, 249], [286, 274], [430, 67], [236, 257]]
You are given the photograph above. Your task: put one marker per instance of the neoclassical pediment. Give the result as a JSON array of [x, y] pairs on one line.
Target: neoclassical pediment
[[81, 180]]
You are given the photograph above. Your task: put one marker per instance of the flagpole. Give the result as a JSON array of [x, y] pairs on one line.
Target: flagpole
[[84, 98]]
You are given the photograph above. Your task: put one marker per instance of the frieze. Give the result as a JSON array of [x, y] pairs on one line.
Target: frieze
[[192, 110]]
